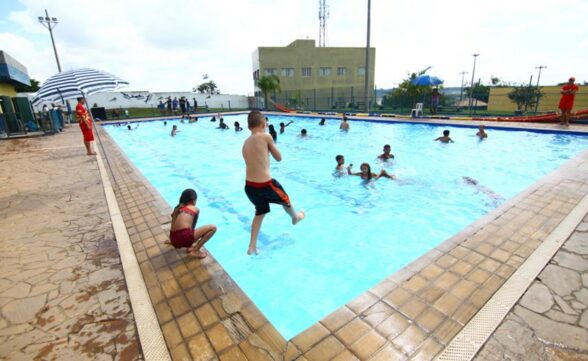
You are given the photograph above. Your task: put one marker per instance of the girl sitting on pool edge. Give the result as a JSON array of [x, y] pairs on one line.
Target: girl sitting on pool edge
[[183, 233]]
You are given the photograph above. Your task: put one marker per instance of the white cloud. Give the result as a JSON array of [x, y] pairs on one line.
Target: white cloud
[[163, 46]]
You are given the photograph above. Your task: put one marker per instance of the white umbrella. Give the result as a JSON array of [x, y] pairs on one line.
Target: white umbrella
[[77, 83]]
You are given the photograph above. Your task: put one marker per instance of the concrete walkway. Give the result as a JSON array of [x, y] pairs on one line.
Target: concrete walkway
[[62, 291]]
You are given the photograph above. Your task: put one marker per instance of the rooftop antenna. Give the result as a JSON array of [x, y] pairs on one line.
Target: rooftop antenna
[[323, 15]]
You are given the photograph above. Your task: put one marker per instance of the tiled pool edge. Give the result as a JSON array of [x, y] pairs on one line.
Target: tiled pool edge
[[331, 336], [150, 336], [472, 337]]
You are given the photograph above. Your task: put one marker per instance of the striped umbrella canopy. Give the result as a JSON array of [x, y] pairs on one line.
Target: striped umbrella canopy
[[77, 83]]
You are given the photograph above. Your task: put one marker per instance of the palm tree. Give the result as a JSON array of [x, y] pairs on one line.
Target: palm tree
[[268, 84]]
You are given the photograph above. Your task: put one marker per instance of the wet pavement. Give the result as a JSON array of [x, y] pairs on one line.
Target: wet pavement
[[62, 291]]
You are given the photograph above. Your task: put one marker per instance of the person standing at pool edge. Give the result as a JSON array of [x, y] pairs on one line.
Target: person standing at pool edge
[[566, 103], [85, 125], [260, 187]]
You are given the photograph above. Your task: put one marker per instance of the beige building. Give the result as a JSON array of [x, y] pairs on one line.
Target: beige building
[[499, 100], [315, 77]]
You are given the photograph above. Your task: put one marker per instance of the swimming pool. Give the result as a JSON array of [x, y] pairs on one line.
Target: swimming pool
[[354, 235]]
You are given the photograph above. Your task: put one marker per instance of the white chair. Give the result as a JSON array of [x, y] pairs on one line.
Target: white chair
[[418, 109]]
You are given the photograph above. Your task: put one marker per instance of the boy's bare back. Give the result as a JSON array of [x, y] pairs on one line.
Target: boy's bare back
[[256, 151]]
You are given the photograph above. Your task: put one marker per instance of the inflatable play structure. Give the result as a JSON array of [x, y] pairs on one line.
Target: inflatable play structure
[[543, 118], [281, 107]]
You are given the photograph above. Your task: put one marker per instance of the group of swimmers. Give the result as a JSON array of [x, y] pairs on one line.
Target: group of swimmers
[[261, 189], [445, 138]]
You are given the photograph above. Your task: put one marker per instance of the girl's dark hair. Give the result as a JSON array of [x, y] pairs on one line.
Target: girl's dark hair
[[369, 170], [188, 195], [271, 127]]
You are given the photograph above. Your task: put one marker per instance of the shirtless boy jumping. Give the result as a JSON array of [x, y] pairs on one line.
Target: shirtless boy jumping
[[260, 187]]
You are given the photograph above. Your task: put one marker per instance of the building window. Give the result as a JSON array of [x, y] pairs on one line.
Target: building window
[[306, 72], [270, 71], [289, 72], [325, 72], [256, 74], [341, 71], [361, 71]]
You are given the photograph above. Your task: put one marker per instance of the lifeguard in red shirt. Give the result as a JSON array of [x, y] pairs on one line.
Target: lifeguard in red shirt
[[566, 103], [85, 125]]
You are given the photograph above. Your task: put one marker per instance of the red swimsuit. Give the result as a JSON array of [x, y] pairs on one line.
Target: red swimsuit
[[184, 237]]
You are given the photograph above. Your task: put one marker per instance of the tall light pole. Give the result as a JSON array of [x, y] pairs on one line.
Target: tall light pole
[[463, 73], [50, 23], [367, 61], [472, 86], [540, 67]]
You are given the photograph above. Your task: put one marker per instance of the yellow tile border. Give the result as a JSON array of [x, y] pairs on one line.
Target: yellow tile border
[[546, 185]]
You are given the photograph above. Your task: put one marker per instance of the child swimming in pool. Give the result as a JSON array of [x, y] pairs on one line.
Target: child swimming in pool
[[340, 163], [445, 137], [366, 173], [183, 232], [481, 133], [260, 187], [387, 153]]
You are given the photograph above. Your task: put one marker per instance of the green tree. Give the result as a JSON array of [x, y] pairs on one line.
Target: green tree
[[268, 84], [407, 94], [481, 91], [525, 96], [208, 87], [28, 88]]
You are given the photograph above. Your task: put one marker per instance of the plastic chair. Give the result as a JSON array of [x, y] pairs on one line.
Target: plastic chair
[[418, 108]]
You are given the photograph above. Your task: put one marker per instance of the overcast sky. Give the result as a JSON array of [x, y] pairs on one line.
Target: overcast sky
[[168, 45]]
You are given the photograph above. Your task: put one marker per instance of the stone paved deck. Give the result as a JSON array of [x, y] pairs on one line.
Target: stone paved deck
[[413, 314], [62, 291], [550, 322]]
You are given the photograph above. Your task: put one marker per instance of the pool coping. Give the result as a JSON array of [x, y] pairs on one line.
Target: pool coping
[[367, 326]]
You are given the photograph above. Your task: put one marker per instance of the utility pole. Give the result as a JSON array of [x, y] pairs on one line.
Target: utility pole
[[323, 15], [540, 67], [367, 61], [50, 23], [472, 86], [463, 73]]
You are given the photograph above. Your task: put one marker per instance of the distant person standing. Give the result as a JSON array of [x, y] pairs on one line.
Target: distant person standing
[[183, 105], [435, 96], [86, 126], [566, 103], [195, 104], [168, 104], [175, 105]]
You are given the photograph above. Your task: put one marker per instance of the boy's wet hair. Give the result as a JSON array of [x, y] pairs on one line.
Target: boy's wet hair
[[254, 119], [188, 195], [446, 132], [387, 146], [303, 131], [338, 157]]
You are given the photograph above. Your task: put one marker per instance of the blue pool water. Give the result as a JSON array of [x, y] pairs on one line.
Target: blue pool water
[[355, 235]]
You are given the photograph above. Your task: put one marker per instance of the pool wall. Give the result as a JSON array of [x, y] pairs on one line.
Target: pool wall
[[412, 313]]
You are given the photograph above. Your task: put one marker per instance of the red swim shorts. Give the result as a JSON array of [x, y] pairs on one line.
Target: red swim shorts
[[87, 132], [182, 237]]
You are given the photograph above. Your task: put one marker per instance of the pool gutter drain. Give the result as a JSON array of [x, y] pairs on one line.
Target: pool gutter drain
[[150, 335]]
